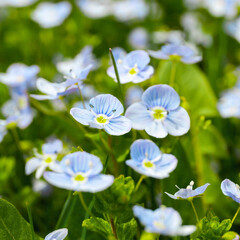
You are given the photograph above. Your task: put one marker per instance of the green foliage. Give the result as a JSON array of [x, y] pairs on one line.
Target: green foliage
[[7, 165], [149, 236], [12, 225], [210, 227], [126, 231], [229, 236]]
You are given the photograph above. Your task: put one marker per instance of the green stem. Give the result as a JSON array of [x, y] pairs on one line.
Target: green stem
[[235, 215], [113, 227], [117, 75], [84, 204], [173, 74], [139, 182], [31, 222], [16, 139], [194, 209], [66, 211], [81, 96]]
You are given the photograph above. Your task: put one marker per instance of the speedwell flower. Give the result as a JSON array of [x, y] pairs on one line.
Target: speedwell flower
[[48, 158], [133, 68], [176, 52], [188, 193], [105, 113], [231, 190], [59, 234], [164, 221], [147, 159], [80, 172], [159, 113], [52, 90], [49, 15]]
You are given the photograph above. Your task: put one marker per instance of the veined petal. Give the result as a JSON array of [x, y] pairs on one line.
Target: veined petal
[[167, 163], [46, 87], [118, 126], [106, 104], [145, 74], [137, 58], [231, 190], [161, 95], [177, 122], [53, 146], [202, 189], [139, 115], [97, 183], [142, 149], [156, 129], [60, 180], [59, 234], [82, 115], [31, 165]]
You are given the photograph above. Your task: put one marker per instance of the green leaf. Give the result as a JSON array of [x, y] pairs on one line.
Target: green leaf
[[229, 236], [98, 225], [12, 225], [192, 84], [6, 168], [126, 231], [149, 236]]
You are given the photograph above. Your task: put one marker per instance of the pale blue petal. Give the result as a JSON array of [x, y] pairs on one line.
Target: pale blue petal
[[145, 216], [59, 234], [138, 57], [171, 196], [82, 115], [118, 126], [118, 53], [167, 163], [156, 129], [158, 54], [121, 71], [106, 104], [191, 60], [177, 122], [31, 165], [161, 96], [43, 97], [201, 190], [231, 190], [186, 230], [145, 74], [139, 115], [53, 146], [81, 162], [46, 87], [60, 180], [142, 149], [96, 183]]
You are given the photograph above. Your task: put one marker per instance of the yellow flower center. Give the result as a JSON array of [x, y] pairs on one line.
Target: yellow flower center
[[79, 177], [101, 119], [159, 113], [175, 58], [148, 164], [133, 71], [48, 160]]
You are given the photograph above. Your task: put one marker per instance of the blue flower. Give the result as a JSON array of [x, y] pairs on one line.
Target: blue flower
[[134, 68], [77, 69], [138, 38], [159, 113], [59, 234], [229, 103], [53, 90], [105, 113], [118, 54], [49, 15], [48, 158], [147, 159], [133, 95], [164, 221], [19, 76], [80, 172], [231, 190], [176, 52], [188, 193]]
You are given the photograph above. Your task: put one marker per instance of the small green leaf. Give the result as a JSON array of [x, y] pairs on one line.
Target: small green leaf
[[77, 149], [126, 231], [98, 225], [149, 236], [229, 236]]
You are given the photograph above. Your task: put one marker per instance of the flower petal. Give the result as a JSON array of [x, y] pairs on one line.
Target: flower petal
[[156, 129], [59, 234], [82, 115], [177, 122], [43, 97], [31, 165], [145, 74], [231, 190], [53, 146], [158, 54], [201, 190], [191, 60], [167, 163], [106, 104], [161, 96], [118, 126], [138, 57], [139, 116], [186, 230]]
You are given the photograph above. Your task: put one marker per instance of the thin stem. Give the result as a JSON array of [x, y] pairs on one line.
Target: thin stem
[[235, 215], [81, 96], [31, 222], [84, 204], [113, 228], [66, 211], [16, 139], [173, 73], [194, 209], [117, 75], [115, 163], [139, 182]]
